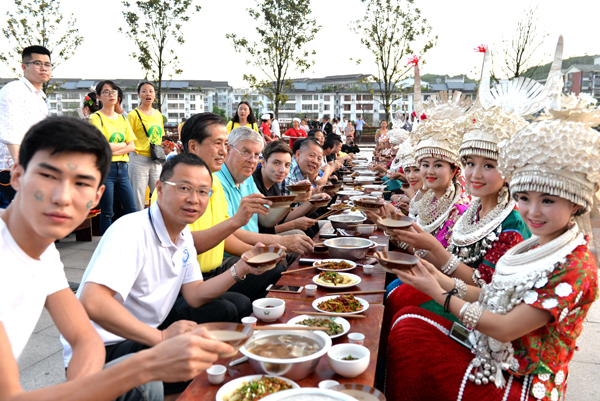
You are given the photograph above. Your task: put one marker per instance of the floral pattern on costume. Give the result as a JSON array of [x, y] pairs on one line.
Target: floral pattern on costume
[[546, 352], [444, 233]]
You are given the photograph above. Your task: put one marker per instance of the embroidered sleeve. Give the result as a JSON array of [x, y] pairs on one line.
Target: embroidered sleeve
[[573, 285]]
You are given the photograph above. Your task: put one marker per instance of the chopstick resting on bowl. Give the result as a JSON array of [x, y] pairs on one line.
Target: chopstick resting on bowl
[[287, 327], [330, 314], [306, 268]]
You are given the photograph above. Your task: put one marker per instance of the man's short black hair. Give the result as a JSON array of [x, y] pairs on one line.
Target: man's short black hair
[[196, 128], [189, 159], [29, 51], [313, 132], [276, 147], [141, 84], [331, 141], [307, 143], [66, 135]]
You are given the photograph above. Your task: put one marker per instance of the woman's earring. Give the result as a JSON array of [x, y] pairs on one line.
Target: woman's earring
[[503, 194]]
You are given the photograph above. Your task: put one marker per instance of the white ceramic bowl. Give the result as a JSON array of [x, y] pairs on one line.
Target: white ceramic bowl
[[366, 229], [348, 369], [268, 314]]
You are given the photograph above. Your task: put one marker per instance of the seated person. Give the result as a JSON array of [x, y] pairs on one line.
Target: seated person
[[243, 152], [295, 132], [350, 148], [143, 284], [277, 159], [305, 164], [215, 231], [63, 163]]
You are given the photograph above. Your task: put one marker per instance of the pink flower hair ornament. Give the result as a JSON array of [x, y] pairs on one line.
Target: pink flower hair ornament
[[414, 60], [481, 48]]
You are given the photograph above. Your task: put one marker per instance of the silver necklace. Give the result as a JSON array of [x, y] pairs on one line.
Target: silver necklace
[[517, 273], [413, 206], [432, 215]]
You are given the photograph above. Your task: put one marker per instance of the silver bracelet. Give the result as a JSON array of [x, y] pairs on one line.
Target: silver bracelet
[[451, 265], [461, 315], [421, 253], [472, 315], [461, 287], [235, 275]]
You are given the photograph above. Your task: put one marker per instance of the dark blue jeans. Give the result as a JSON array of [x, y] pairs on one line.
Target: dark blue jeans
[[117, 183]]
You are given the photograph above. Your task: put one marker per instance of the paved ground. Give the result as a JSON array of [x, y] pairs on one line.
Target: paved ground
[[41, 364]]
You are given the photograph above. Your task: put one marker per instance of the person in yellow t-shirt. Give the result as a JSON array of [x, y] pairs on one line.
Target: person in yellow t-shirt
[[180, 126], [143, 171], [244, 117], [120, 137]]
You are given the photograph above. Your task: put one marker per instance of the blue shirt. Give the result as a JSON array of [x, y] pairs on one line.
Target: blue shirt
[[359, 124], [293, 177], [234, 196]]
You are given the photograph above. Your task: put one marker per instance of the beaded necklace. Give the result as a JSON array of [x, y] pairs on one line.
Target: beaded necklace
[[432, 215]]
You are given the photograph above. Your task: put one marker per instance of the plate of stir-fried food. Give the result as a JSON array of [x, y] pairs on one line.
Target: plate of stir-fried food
[[338, 326], [336, 280], [341, 304], [334, 265], [255, 387]]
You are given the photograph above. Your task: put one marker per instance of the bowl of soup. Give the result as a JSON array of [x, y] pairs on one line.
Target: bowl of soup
[[346, 220], [290, 353], [234, 334], [395, 260], [268, 309], [395, 222], [348, 248], [299, 188], [359, 391], [309, 394], [265, 257]]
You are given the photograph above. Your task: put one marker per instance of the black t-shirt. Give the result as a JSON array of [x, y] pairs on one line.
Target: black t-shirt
[[350, 149], [273, 191]]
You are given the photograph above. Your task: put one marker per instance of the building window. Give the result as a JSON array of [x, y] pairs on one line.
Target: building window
[[307, 106], [326, 107], [367, 107], [347, 98], [367, 98], [327, 98], [347, 107], [358, 98], [291, 97], [134, 97], [173, 115], [53, 106], [52, 96], [192, 107], [134, 105], [172, 96], [192, 98], [307, 97]]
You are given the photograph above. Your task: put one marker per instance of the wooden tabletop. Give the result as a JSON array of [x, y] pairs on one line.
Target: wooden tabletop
[[201, 389]]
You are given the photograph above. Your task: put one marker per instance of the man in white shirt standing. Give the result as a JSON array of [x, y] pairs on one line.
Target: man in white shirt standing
[[22, 104], [275, 130]]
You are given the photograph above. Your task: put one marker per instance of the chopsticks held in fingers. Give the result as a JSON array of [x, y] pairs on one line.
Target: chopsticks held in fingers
[[330, 314], [298, 270]]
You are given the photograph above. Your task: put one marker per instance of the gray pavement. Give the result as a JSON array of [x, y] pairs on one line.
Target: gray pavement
[[41, 363]]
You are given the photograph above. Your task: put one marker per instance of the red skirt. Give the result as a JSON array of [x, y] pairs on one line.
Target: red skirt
[[423, 363]]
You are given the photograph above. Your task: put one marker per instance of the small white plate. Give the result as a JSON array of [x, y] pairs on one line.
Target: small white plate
[[363, 302], [334, 260], [350, 193], [373, 186], [352, 276], [229, 387], [339, 320]]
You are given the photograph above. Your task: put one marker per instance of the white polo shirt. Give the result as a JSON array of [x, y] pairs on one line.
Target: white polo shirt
[[21, 107], [24, 285], [137, 259]]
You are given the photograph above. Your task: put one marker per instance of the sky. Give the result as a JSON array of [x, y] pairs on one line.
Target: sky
[[460, 26]]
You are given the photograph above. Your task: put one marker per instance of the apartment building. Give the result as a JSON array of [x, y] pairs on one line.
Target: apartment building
[[584, 78]]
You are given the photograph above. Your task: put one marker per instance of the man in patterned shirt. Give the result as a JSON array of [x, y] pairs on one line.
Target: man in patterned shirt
[[22, 105], [306, 162]]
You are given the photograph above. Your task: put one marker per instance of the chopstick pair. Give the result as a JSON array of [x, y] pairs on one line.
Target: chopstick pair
[[267, 328], [357, 292], [331, 314], [307, 268]]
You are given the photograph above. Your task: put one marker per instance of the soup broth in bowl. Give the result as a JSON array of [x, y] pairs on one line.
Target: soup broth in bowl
[[284, 346]]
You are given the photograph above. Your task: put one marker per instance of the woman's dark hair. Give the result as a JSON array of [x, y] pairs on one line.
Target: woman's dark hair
[[95, 106], [66, 135], [276, 147], [120, 94], [28, 51], [251, 118], [139, 88], [100, 86], [196, 128], [189, 159]]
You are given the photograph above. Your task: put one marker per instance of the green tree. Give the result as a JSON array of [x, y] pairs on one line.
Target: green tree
[[220, 112], [40, 22], [284, 27], [155, 28], [389, 29]]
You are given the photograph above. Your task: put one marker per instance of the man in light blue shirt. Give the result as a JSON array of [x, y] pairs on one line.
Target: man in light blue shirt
[[359, 129]]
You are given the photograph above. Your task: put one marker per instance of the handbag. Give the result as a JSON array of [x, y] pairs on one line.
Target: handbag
[[157, 154]]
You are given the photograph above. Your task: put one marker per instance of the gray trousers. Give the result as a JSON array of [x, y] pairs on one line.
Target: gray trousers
[[143, 172]]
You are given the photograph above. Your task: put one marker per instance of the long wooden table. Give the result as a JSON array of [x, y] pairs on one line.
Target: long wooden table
[[201, 389]]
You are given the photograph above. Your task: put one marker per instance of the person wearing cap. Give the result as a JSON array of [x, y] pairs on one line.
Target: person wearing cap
[[265, 127], [169, 149], [295, 131]]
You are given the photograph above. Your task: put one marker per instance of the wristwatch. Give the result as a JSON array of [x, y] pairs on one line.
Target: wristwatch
[[235, 275]]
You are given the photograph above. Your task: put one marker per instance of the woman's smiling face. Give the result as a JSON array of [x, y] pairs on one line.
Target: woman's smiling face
[[437, 174]]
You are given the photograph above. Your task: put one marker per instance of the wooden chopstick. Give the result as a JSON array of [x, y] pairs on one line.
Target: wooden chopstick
[[300, 327], [330, 314], [358, 292], [330, 213], [298, 270]]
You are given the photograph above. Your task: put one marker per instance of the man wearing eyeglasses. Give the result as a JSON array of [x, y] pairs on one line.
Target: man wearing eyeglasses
[[22, 105], [143, 284]]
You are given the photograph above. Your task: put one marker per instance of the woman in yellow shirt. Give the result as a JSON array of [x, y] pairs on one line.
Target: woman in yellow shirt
[[143, 171], [243, 117], [120, 137]]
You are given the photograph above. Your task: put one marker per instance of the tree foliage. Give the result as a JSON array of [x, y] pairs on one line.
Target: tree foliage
[[284, 27], [40, 22], [221, 112], [521, 50], [155, 28], [389, 29]]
